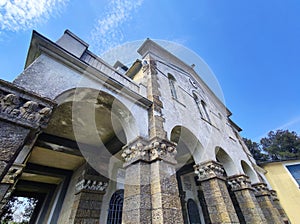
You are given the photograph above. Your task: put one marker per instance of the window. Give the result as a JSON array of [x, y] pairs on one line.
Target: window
[[197, 101], [193, 212], [295, 171], [172, 81], [203, 104], [115, 208]]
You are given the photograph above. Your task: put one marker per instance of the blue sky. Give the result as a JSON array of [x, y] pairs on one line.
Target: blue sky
[[253, 47]]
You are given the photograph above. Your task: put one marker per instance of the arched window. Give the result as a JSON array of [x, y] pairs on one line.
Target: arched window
[[205, 111], [197, 101], [172, 81], [193, 212], [115, 208]]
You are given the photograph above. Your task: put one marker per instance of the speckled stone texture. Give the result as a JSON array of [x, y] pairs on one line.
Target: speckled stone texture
[[137, 199], [265, 202], [166, 206], [244, 193], [213, 183], [278, 206]]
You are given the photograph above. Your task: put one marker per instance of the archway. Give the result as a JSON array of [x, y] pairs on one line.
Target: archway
[[227, 162], [249, 172]]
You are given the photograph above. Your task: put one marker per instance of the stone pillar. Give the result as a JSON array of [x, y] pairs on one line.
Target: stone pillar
[[151, 192], [266, 204], [89, 193], [22, 116], [137, 194], [213, 183], [244, 193], [166, 206], [278, 206]]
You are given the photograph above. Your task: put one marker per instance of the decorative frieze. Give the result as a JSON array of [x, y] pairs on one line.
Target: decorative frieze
[[162, 150], [208, 170], [23, 107], [91, 185], [239, 182], [137, 151]]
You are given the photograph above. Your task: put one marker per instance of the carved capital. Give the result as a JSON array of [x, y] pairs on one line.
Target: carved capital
[[239, 182], [162, 150], [157, 149], [136, 150], [261, 189], [91, 185], [209, 170]]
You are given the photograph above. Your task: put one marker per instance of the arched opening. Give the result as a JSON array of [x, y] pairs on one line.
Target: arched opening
[[115, 208], [87, 126], [189, 151], [172, 85], [226, 161], [248, 171]]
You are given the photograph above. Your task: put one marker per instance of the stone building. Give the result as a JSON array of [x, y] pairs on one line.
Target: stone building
[[96, 143]]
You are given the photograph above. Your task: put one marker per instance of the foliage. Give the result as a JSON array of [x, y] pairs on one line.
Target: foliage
[[18, 210], [256, 150], [281, 144], [278, 145]]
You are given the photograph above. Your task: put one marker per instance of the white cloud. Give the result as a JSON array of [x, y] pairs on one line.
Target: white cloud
[[107, 31], [18, 15]]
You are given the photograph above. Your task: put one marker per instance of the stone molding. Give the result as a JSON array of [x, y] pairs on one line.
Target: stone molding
[[14, 171], [208, 170], [239, 182], [261, 189], [22, 107], [90, 185], [148, 151]]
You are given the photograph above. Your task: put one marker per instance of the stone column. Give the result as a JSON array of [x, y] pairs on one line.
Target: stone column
[[137, 197], [166, 206], [22, 116], [151, 192], [244, 193], [213, 183], [265, 202], [89, 193], [278, 206]]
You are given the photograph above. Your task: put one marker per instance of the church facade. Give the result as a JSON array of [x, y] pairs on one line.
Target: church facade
[[96, 143]]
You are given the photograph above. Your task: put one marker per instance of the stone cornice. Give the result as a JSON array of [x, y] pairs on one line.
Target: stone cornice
[[209, 170], [24, 108], [239, 182]]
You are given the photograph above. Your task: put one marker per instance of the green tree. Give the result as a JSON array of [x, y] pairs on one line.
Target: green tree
[[281, 144], [256, 151]]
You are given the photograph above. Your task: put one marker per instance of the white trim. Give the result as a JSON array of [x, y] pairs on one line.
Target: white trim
[[289, 173]]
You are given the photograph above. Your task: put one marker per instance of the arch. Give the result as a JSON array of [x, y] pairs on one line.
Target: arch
[[97, 123], [95, 99], [188, 146], [249, 171], [172, 82], [193, 212], [227, 162], [116, 208]]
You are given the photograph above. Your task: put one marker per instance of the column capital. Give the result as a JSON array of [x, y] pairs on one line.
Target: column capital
[[208, 170], [239, 182], [261, 189], [148, 151]]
